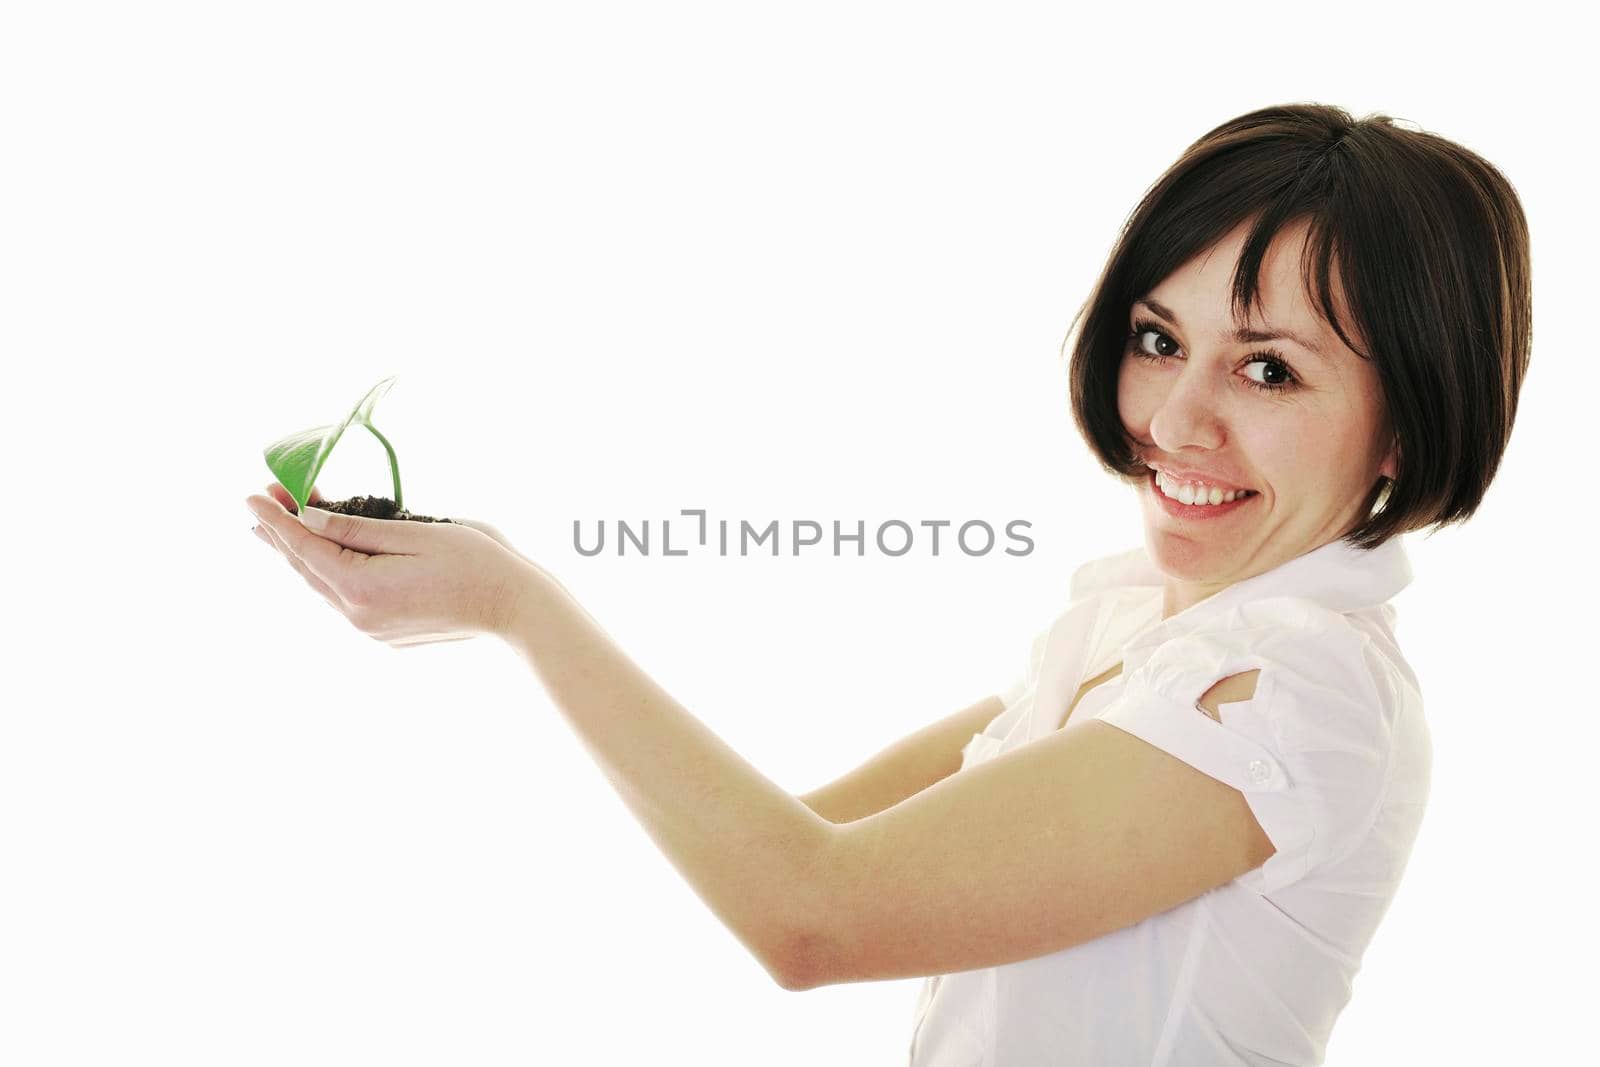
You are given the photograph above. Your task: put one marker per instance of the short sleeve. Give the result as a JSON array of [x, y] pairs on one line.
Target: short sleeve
[[1309, 751]]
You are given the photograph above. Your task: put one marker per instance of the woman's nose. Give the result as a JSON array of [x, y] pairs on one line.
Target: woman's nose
[[1188, 415]]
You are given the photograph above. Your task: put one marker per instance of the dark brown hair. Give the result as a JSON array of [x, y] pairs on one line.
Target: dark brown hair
[[1431, 248]]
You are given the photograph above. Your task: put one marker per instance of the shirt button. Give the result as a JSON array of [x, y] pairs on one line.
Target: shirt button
[[1259, 771]]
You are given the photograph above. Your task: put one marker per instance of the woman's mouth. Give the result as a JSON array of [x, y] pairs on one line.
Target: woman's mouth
[[1194, 509]]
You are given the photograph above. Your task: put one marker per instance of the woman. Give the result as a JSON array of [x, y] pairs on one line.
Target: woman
[[1171, 840]]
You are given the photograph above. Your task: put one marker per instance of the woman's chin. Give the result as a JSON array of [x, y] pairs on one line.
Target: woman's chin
[[1186, 557]]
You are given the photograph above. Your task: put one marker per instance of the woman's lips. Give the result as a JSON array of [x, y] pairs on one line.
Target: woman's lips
[[1179, 510]]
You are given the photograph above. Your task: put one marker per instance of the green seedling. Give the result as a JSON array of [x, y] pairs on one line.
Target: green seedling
[[296, 460]]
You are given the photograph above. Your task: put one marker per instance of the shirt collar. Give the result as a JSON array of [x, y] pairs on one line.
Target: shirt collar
[[1338, 576]]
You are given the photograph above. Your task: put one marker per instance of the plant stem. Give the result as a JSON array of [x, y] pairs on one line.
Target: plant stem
[[394, 464]]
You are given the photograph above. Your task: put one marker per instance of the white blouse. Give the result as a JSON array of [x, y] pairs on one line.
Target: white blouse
[[1333, 755]]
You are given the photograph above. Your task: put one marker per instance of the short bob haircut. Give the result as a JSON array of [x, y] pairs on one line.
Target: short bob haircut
[[1431, 248]]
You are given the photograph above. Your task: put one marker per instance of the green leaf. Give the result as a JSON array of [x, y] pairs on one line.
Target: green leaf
[[296, 460]]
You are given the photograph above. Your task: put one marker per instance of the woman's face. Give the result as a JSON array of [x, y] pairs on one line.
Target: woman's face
[[1303, 430]]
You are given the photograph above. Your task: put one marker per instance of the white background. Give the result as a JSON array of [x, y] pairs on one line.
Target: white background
[[777, 262]]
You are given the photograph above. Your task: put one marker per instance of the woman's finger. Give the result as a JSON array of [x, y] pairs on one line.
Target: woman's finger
[[429, 639], [281, 495], [265, 531]]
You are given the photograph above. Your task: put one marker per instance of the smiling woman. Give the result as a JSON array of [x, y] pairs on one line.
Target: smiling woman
[[1309, 340], [1171, 840]]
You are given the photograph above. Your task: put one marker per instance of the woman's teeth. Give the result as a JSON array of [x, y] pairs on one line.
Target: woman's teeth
[[1195, 493]]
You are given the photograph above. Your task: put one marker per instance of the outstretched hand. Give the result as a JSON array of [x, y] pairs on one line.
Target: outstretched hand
[[403, 583]]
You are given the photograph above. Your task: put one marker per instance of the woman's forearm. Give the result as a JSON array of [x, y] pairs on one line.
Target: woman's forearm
[[751, 850]]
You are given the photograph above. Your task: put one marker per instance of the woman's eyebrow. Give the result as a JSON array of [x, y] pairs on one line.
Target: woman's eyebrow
[[1241, 335]]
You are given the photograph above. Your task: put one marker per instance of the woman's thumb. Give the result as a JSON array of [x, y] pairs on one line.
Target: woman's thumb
[[360, 532], [485, 528]]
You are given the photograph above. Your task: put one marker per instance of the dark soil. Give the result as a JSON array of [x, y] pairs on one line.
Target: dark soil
[[372, 507]]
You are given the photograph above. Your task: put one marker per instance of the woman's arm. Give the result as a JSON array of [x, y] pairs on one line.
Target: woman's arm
[[747, 847], [905, 768]]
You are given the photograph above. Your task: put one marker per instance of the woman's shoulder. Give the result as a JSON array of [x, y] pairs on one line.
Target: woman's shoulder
[[1288, 621], [1308, 647]]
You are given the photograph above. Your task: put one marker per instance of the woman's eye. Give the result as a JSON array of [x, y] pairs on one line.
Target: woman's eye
[[1139, 336], [1278, 374], [1273, 372]]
